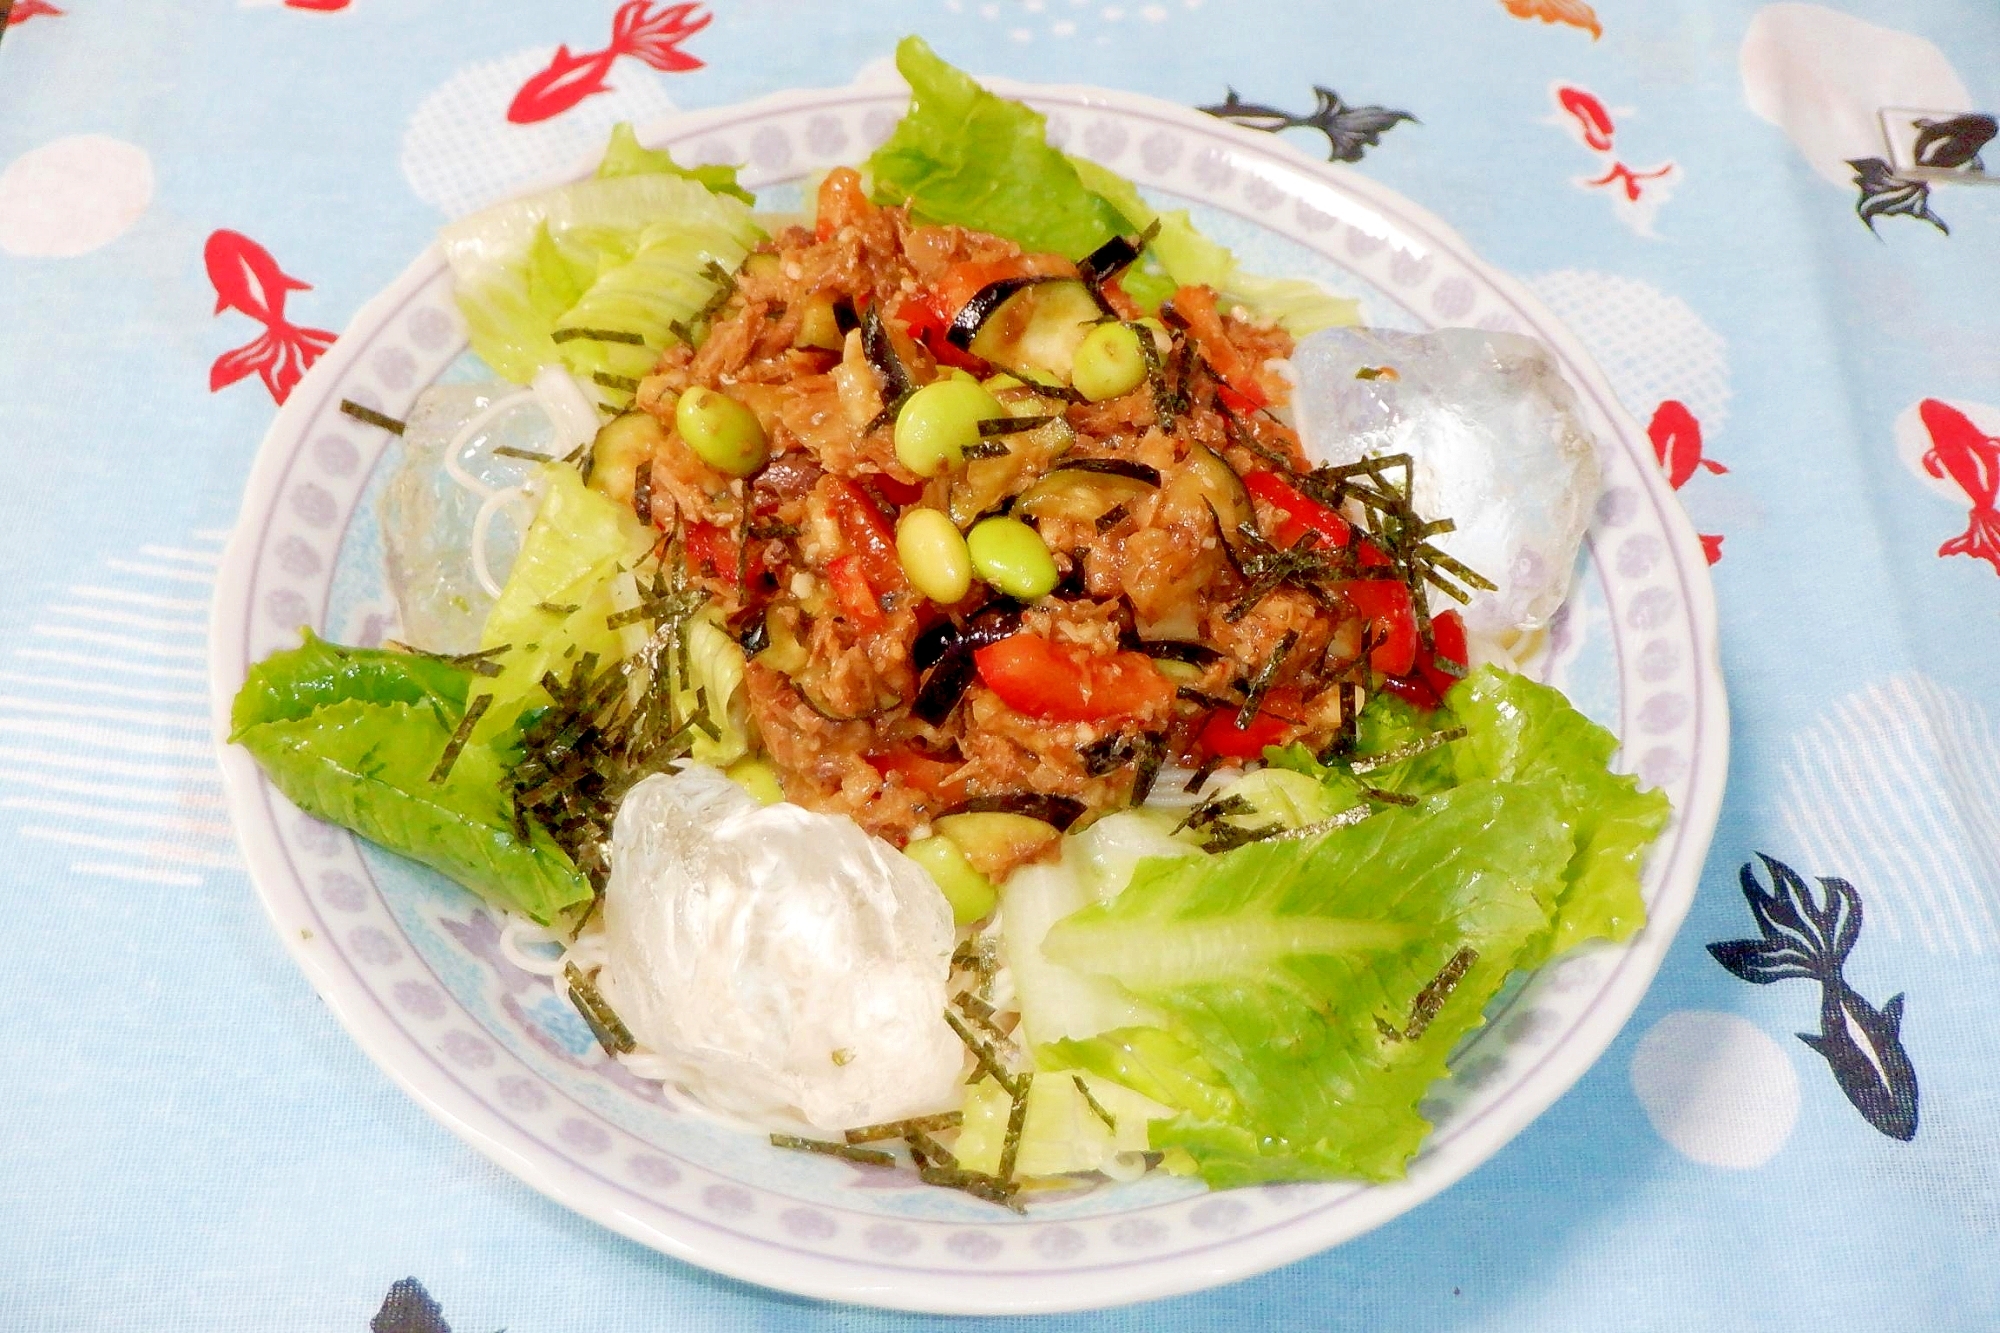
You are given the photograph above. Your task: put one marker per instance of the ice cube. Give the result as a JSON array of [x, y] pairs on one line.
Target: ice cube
[[788, 966], [1497, 444]]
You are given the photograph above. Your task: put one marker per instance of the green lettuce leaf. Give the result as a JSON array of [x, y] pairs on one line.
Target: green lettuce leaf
[[288, 686], [963, 155], [1294, 972], [1524, 732], [352, 736], [626, 156], [626, 252]]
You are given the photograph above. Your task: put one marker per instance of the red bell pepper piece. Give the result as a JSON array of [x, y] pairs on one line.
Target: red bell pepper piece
[[898, 493], [1302, 513], [1034, 676], [1392, 622], [711, 548], [1196, 307], [870, 538], [1221, 738], [1427, 685], [851, 589], [933, 777], [928, 326]]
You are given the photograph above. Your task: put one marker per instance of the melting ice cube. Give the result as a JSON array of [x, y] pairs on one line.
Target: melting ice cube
[[1497, 446], [786, 964]]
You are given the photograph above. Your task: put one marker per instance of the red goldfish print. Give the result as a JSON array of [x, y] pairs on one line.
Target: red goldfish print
[[1573, 12], [1634, 182], [1593, 119], [636, 31], [319, 6], [1676, 437], [23, 10], [249, 281], [1636, 193], [1969, 458]]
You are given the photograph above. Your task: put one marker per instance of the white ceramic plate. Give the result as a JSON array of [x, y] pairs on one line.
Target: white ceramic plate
[[410, 963]]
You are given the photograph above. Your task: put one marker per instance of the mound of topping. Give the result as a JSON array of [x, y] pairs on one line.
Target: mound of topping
[[1137, 564]]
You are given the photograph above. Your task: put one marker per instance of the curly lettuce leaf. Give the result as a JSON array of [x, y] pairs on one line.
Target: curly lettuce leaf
[[626, 156], [963, 155], [352, 736], [626, 253], [1521, 731], [287, 686], [1298, 973]]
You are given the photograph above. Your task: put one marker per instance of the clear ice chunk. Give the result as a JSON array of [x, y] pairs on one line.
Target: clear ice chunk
[[1496, 441], [787, 966], [428, 516]]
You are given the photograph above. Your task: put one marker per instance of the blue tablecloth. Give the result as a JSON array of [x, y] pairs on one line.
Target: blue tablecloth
[[1704, 190]]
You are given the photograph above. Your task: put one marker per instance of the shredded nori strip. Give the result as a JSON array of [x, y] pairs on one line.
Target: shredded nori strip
[[532, 455], [1011, 426], [882, 359], [1113, 516], [979, 956], [1199, 778], [1060, 811], [605, 1025], [1017, 1117], [1260, 684], [477, 662], [826, 1147], [927, 1151], [624, 382], [1096, 1108], [899, 1129], [976, 1183], [984, 449], [1422, 745], [474, 710], [1388, 797], [1345, 819], [1198, 697], [372, 417], [1430, 1000], [598, 336], [982, 1052], [595, 740]]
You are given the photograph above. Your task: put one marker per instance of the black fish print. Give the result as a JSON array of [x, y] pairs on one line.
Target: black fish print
[[1885, 194], [1954, 143], [1350, 130], [1862, 1044], [408, 1308]]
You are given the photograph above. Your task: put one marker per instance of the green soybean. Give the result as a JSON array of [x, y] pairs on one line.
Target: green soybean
[[722, 432], [971, 894], [934, 556], [1011, 556], [939, 421], [1109, 362]]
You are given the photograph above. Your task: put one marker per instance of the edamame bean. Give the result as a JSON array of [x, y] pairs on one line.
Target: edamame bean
[[934, 556], [1108, 362], [1011, 556], [722, 432], [970, 893], [939, 421]]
